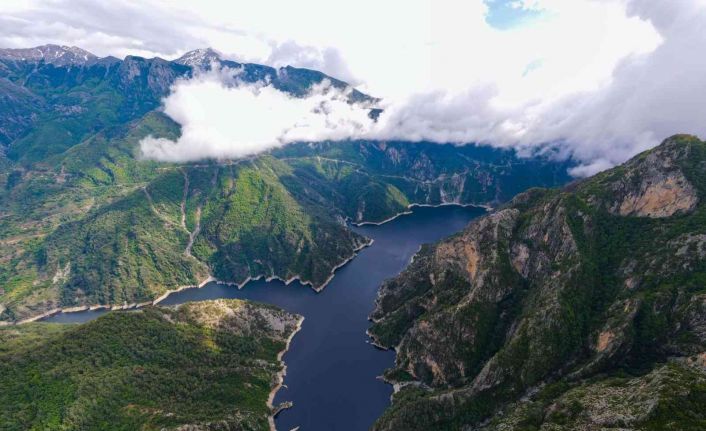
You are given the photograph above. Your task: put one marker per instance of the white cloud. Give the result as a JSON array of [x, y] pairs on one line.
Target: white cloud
[[602, 79], [224, 118]]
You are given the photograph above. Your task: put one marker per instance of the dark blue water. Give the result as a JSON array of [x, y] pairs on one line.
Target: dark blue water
[[332, 368]]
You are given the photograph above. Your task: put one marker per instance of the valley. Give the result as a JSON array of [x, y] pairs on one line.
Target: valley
[[342, 284]]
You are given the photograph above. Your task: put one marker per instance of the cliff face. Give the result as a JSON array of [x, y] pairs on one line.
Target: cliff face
[[549, 300]]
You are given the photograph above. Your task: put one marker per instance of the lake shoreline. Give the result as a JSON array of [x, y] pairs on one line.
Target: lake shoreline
[[279, 379], [207, 280], [410, 207], [332, 364], [241, 285]]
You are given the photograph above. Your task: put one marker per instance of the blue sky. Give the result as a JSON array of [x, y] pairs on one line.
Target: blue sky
[[506, 14]]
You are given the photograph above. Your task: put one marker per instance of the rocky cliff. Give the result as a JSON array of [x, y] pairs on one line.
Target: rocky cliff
[[579, 308]]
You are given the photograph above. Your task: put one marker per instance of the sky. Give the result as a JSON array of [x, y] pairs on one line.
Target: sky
[[597, 80]]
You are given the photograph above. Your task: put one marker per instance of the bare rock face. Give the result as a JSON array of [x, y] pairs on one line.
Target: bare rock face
[[465, 260], [653, 184], [667, 196], [240, 317]]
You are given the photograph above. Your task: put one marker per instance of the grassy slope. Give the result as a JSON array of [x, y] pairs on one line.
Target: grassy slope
[[258, 220], [99, 183]]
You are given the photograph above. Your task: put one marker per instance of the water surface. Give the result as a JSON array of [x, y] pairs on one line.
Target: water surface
[[332, 368]]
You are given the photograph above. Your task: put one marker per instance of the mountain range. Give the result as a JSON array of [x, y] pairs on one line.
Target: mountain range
[[86, 222]]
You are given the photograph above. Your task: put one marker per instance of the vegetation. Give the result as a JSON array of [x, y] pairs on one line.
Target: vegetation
[[559, 290], [157, 368]]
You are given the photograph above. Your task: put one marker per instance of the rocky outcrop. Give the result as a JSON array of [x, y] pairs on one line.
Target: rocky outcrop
[[555, 289], [651, 185], [240, 317], [656, 400], [665, 197]]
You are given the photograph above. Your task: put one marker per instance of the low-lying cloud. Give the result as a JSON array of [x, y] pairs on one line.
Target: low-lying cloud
[[596, 80], [222, 117]]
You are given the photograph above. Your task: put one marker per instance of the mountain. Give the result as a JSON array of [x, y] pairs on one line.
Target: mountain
[[47, 54], [292, 80], [84, 221], [64, 95], [199, 58], [208, 365], [71, 100], [574, 308]]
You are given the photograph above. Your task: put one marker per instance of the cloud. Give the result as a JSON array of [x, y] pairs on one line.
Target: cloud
[[649, 97], [596, 79], [223, 118], [328, 59]]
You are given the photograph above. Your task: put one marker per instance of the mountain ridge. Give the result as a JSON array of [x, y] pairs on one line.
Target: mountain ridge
[[60, 55], [53, 105], [524, 315]]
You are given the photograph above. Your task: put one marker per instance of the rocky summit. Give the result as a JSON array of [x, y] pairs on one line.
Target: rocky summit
[[48, 54], [576, 308]]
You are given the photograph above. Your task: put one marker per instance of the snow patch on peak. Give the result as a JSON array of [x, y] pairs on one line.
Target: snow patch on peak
[[60, 55], [199, 58]]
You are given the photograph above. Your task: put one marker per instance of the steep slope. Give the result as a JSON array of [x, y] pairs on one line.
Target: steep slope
[[19, 109], [81, 94], [209, 365], [401, 173], [562, 301]]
